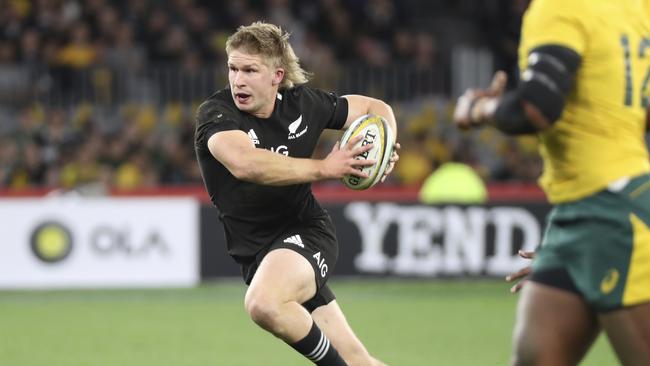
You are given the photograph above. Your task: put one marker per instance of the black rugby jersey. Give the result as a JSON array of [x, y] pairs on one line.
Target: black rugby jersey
[[254, 215]]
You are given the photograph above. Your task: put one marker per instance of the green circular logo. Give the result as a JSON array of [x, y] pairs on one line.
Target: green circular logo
[[51, 242]]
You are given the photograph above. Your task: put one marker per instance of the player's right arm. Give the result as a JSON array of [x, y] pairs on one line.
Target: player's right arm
[[218, 130], [236, 152]]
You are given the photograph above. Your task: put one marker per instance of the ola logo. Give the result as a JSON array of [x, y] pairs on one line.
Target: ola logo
[[609, 282], [51, 242]]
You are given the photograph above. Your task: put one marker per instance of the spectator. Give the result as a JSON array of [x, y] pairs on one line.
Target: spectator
[[56, 57]]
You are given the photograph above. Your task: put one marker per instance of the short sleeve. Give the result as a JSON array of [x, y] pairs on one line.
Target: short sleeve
[[558, 22], [327, 105], [340, 114], [212, 117]]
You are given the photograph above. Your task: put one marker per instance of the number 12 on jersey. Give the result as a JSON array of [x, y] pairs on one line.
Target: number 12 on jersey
[[644, 46]]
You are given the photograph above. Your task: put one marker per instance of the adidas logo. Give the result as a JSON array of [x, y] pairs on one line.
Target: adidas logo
[[253, 137], [295, 239]]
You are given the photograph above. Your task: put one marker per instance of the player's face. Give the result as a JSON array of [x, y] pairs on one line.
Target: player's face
[[253, 83]]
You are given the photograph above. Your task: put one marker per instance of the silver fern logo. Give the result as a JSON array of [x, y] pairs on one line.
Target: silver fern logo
[[293, 127]]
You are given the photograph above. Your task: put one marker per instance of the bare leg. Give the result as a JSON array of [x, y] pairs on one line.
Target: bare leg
[[283, 281], [554, 327], [332, 322], [628, 331]]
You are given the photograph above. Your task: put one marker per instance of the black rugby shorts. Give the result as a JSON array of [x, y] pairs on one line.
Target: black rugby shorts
[[314, 239]]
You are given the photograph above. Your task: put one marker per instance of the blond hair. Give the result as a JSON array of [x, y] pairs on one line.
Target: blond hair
[[272, 43]]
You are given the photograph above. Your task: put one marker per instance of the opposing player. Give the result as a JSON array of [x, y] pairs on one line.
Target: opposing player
[[254, 141], [584, 89]]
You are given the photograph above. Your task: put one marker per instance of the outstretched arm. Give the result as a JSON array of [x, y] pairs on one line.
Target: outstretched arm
[[235, 150], [535, 105]]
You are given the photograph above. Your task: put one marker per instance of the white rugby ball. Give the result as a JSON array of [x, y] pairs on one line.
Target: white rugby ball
[[375, 130]]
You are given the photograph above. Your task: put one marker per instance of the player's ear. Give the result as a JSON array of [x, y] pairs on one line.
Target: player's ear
[[278, 76]]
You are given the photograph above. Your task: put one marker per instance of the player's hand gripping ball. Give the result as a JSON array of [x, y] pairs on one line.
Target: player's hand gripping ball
[[375, 130]]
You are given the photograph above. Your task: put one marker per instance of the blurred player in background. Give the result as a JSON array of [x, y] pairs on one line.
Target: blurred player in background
[[584, 89], [254, 141]]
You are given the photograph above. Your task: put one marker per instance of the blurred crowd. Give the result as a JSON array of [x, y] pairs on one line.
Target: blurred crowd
[[56, 149], [102, 92], [145, 146], [79, 48]]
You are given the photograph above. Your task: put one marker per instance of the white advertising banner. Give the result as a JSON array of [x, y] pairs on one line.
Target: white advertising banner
[[442, 241], [65, 242]]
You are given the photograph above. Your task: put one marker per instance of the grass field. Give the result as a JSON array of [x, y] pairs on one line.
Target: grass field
[[402, 322]]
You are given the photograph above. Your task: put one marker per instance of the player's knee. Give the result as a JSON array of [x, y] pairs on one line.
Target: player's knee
[[524, 352], [262, 311]]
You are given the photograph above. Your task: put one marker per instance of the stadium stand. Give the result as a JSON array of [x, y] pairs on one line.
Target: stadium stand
[[103, 92]]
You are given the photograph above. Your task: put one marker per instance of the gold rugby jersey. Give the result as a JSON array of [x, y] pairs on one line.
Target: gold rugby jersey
[[600, 136]]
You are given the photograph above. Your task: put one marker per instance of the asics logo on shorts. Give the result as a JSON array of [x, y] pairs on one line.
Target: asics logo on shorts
[[295, 239], [610, 280]]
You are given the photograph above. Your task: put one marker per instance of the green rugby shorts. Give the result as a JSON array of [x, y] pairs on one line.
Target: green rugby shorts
[[603, 242]]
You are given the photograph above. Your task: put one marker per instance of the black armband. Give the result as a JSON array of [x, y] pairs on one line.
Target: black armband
[[510, 117], [549, 78]]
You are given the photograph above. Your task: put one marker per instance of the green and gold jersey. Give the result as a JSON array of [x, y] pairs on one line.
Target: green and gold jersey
[[600, 136]]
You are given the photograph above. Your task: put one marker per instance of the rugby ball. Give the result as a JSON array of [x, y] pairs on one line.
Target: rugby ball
[[375, 130]]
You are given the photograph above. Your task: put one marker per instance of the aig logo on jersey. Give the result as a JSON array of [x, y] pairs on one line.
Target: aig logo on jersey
[[282, 149], [293, 127], [320, 262]]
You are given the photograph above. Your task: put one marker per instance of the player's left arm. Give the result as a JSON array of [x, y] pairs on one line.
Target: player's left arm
[[537, 102], [359, 105]]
